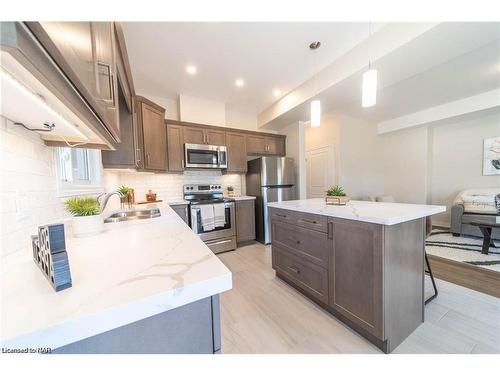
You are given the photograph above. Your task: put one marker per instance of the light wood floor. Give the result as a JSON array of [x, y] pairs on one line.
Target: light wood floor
[[262, 314]]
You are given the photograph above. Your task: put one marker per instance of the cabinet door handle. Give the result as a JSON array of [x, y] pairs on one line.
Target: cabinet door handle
[[109, 75], [294, 269], [148, 159], [309, 221], [281, 215], [330, 230], [137, 156], [182, 163], [298, 242]]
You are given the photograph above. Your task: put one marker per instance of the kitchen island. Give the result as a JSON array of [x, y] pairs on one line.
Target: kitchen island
[[143, 286], [362, 262]]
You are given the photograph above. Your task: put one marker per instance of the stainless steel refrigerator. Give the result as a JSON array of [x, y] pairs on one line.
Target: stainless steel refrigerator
[[270, 179]]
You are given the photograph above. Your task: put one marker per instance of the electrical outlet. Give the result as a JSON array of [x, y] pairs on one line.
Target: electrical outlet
[[22, 212]]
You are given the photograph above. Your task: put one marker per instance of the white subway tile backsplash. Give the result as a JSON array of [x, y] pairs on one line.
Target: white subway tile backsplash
[[28, 186], [168, 187]]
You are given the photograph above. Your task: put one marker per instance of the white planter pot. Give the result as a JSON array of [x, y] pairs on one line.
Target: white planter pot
[[85, 225]]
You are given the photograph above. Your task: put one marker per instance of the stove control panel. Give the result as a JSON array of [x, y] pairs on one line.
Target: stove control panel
[[198, 188]]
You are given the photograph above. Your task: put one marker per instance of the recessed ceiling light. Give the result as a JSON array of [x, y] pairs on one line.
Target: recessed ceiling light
[[277, 93], [239, 83], [191, 69]]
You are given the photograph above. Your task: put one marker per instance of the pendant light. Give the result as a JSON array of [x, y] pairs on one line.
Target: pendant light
[[315, 104], [369, 86]]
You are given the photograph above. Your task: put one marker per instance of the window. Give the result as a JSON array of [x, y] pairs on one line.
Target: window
[[78, 171]]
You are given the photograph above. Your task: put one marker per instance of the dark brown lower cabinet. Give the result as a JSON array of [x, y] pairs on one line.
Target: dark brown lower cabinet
[[374, 273], [182, 211], [245, 220]]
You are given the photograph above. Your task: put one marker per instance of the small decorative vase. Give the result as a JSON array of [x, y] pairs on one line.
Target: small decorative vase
[[150, 196], [336, 200], [230, 193], [86, 225]]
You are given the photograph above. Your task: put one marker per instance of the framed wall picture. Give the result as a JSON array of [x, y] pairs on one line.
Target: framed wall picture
[[491, 156]]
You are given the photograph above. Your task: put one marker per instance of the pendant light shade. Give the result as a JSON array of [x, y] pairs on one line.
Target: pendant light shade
[[369, 88], [315, 113]]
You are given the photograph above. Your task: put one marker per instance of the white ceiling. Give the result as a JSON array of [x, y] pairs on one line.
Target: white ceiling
[[450, 62], [267, 56]]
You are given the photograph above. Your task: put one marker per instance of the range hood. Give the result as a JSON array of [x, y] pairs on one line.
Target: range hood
[[36, 93]]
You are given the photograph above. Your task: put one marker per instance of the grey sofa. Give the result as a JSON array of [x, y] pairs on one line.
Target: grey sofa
[[460, 222]]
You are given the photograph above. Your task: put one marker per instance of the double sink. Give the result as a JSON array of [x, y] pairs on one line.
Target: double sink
[[133, 215]]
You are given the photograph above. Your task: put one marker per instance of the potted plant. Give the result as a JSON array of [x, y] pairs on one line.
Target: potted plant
[[230, 191], [336, 195], [86, 215], [125, 196]]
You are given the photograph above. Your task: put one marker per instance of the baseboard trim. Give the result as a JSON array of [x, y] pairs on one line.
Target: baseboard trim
[[472, 277]]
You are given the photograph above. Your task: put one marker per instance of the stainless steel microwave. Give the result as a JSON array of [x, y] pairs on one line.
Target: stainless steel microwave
[[205, 156]]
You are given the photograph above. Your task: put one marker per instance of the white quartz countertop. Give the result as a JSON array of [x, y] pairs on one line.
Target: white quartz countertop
[[370, 212], [131, 271], [242, 198]]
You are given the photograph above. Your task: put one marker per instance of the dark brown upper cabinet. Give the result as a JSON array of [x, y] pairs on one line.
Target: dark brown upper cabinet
[[152, 134], [85, 52], [193, 135], [215, 137], [127, 153], [198, 135], [105, 66], [265, 145], [236, 152], [175, 148]]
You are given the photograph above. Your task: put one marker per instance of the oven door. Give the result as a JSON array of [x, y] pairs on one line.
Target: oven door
[[202, 156], [228, 230]]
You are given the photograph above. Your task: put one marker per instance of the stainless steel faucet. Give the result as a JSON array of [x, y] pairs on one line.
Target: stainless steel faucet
[[106, 199]]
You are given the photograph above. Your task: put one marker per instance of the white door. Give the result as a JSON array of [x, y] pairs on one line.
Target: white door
[[320, 171]]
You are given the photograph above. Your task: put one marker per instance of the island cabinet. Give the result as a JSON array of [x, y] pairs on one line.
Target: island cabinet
[[190, 329], [370, 276], [245, 220]]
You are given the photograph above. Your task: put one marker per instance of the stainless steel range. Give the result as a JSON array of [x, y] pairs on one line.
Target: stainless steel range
[[221, 238]]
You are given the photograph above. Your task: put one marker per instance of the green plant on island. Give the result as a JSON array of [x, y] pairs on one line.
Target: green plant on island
[[336, 191], [124, 191], [82, 206], [230, 188]]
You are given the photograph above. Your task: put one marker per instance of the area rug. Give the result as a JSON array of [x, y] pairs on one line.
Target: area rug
[[466, 249]]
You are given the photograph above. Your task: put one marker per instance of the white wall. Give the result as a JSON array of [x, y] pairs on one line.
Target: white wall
[[456, 159], [295, 148], [357, 154], [404, 164], [200, 110], [360, 158], [171, 106], [239, 119], [327, 134], [28, 187]]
